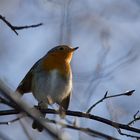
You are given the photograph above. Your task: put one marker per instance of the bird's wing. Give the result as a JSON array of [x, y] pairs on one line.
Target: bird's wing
[[26, 83], [65, 102]]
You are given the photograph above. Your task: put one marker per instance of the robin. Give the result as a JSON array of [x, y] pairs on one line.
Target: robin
[[50, 80]]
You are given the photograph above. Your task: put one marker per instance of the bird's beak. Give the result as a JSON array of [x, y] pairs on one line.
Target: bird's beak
[[73, 49]]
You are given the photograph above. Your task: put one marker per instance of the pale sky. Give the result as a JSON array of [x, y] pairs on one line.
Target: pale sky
[[108, 35]]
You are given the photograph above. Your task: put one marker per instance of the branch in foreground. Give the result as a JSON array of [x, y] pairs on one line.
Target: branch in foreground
[[15, 28], [128, 93], [22, 107]]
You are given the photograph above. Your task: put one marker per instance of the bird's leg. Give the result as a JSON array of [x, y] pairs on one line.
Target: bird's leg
[[62, 112], [42, 105]]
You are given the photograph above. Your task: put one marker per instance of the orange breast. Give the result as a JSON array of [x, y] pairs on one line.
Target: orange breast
[[51, 63]]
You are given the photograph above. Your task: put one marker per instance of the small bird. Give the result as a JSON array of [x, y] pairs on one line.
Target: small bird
[[50, 80]]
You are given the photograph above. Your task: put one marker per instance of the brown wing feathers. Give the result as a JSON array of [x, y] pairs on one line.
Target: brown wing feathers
[[25, 84]]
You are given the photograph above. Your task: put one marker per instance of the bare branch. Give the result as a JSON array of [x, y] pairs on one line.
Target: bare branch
[[11, 121], [128, 135], [128, 93], [15, 28], [135, 118], [82, 115]]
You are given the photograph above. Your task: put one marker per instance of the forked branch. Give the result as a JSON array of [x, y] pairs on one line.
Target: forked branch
[[15, 28], [106, 96]]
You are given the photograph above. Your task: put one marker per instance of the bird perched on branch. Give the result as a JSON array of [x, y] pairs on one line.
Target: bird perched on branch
[[50, 79]]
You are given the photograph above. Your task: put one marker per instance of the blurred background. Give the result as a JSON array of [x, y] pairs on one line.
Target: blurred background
[[108, 35]]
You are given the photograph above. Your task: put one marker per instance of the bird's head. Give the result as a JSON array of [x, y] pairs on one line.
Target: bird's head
[[62, 52]]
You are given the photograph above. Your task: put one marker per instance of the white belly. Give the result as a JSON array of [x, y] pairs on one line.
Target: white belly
[[51, 87]]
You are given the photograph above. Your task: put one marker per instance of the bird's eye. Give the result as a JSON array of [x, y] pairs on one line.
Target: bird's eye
[[61, 48]]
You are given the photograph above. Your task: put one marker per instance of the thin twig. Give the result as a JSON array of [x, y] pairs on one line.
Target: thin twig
[[14, 28], [135, 118], [11, 121], [27, 26], [128, 135], [128, 93]]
